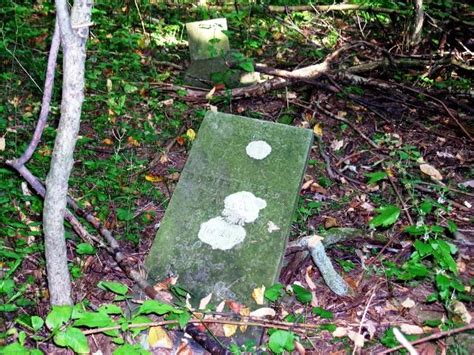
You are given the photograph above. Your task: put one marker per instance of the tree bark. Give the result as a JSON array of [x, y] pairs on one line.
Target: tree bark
[[74, 30], [418, 26]]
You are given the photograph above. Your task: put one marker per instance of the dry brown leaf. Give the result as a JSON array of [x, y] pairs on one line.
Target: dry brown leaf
[[258, 295], [234, 306], [307, 184], [308, 278], [330, 222], [299, 348], [158, 338], [184, 348], [431, 171]]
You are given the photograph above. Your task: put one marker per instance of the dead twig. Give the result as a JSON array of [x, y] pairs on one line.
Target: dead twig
[[349, 123], [434, 336], [400, 198], [263, 323]]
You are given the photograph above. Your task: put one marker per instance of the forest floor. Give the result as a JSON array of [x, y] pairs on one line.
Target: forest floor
[[393, 158]]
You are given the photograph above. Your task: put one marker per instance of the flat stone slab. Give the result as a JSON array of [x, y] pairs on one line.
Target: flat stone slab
[[226, 226]]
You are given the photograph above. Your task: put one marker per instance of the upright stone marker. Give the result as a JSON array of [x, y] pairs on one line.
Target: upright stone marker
[[226, 226], [211, 56]]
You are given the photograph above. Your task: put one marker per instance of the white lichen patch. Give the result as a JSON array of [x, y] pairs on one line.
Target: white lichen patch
[[220, 234], [226, 231], [272, 227], [242, 207], [258, 150]]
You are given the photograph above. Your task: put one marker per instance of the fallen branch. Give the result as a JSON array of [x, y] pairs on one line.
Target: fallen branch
[[263, 324], [337, 7], [318, 253], [434, 336]]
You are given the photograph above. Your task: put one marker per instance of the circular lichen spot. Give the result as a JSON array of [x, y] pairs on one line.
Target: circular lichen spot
[[258, 150], [242, 207], [220, 234]]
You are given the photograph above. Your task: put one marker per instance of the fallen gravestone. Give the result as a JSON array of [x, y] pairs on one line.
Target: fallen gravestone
[[211, 56], [226, 226]]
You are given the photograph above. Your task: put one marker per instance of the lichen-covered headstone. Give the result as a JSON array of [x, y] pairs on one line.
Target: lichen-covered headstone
[[226, 226], [211, 57]]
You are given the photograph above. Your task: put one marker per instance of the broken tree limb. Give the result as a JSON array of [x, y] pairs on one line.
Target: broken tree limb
[[337, 7], [318, 253]]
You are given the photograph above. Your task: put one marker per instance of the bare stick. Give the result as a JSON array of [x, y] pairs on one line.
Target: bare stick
[[434, 336], [400, 198], [45, 104], [349, 123]]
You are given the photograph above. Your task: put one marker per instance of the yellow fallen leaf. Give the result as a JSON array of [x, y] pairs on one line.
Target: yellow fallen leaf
[[431, 171], [158, 338], [133, 142], [229, 330], [153, 178], [108, 141], [258, 294], [191, 134], [318, 130], [245, 312]]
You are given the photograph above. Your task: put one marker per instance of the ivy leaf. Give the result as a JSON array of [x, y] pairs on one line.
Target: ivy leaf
[[138, 320], [115, 287], [58, 316], [388, 215], [110, 309], [36, 323], [183, 319], [94, 320], [72, 338], [159, 308], [85, 249], [274, 292], [281, 340], [14, 349], [375, 177], [247, 65], [322, 313], [302, 294], [129, 349]]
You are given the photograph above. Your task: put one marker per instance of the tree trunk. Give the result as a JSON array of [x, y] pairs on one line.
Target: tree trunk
[[418, 26], [74, 32]]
